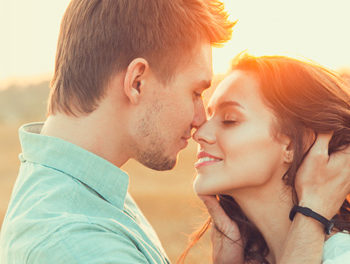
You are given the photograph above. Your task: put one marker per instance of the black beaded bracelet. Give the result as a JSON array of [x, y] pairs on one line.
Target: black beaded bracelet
[[328, 224]]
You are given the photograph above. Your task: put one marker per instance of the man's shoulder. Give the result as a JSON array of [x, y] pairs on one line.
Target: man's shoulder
[[337, 249], [54, 218], [41, 192], [75, 240]]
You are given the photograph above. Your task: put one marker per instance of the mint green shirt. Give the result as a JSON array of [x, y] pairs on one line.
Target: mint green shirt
[[337, 249], [70, 206]]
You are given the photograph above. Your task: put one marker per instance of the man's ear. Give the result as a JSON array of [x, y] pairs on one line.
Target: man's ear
[[134, 79]]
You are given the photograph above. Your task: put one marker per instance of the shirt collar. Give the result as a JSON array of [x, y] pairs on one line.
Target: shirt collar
[[99, 174]]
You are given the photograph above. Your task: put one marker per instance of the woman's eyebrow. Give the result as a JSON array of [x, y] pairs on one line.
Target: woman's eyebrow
[[225, 104]]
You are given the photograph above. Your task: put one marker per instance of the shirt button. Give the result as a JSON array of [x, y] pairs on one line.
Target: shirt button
[[21, 158]]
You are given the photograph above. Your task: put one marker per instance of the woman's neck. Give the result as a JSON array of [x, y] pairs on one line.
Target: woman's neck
[[268, 208]]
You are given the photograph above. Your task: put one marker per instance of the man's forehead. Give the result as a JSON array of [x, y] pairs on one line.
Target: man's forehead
[[204, 76], [202, 60], [197, 69]]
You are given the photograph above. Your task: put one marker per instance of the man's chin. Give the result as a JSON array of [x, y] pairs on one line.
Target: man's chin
[[168, 165], [159, 165]]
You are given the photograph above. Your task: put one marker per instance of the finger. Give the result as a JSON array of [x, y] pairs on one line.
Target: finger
[[339, 164], [214, 208], [340, 160], [345, 150], [320, 147]]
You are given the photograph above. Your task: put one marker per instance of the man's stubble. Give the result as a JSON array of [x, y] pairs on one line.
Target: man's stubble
[[152, 141]]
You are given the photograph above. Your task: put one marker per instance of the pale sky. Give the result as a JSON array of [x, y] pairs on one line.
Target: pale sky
[[315, 29]]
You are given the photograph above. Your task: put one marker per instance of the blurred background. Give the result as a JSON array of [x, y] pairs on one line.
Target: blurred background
[[313, 29]]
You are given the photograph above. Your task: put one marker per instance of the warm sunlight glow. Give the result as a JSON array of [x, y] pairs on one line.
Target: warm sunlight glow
[[315, 29], [29, 32]]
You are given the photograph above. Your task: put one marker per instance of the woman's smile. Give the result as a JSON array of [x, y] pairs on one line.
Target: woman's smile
[[205, 158]]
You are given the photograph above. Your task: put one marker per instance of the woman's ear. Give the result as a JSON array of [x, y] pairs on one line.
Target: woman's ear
[[288, 150], [134, 79], [288, 155]]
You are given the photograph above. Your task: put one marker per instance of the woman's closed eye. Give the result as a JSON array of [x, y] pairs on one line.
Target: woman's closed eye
[[229, 122], [229, 119]]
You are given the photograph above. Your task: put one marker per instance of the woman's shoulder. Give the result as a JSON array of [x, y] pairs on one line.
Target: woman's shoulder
[[337, 249]]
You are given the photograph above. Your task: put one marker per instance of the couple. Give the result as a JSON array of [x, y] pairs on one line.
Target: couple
[[128, 82]]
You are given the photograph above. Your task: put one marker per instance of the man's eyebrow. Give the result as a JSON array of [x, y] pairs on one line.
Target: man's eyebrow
[[225, 104]]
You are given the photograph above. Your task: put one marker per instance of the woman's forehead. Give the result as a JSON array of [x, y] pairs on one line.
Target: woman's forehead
[[237, 85]]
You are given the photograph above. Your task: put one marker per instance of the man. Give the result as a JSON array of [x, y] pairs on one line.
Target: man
[[128, 81]]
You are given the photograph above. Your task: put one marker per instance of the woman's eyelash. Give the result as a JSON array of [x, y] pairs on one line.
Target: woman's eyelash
[[229, 122]]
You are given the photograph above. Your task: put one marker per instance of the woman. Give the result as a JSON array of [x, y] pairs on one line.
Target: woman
[[263, 119]]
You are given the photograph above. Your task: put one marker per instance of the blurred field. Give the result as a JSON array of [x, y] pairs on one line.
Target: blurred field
[[166, 198]]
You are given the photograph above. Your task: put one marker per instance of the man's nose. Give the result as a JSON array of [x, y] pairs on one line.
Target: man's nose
[[199, 115]]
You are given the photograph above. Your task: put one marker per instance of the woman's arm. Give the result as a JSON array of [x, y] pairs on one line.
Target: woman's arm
[[322, 184]]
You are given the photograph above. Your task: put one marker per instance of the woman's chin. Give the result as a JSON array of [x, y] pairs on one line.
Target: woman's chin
[[201, 189], [197, 187]]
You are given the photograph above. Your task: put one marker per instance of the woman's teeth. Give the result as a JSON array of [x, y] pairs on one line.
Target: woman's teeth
[[205, 159]]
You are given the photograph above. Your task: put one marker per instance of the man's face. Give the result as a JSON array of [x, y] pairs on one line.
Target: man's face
[[172, 111]]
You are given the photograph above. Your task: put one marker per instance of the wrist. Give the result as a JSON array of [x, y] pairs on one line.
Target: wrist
[[328, 224], [317, 206], [303, 224]]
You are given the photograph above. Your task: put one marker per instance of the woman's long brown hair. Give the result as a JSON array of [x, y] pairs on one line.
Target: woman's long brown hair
[[304, 97]]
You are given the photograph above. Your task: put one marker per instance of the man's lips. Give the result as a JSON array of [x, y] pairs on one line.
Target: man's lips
[[205, 158]]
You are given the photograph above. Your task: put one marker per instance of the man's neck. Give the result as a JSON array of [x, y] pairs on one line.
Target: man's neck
[[91, 132]]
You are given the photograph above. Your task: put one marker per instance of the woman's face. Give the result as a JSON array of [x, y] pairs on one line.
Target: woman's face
[[237, 145]]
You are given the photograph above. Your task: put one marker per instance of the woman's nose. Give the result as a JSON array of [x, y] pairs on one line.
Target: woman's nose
[[205, 133]]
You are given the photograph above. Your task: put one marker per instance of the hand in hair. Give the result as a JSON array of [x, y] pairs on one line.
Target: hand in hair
[[225, 236], [323, 181]]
